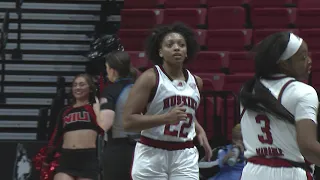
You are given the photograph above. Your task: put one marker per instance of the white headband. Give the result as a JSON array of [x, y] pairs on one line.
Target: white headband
[[292, 47]]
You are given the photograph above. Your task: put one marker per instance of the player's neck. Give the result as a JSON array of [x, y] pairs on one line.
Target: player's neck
[[175, 72]]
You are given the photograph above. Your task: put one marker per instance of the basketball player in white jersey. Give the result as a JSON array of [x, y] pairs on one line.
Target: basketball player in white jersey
[[168, 95], [279, 113]]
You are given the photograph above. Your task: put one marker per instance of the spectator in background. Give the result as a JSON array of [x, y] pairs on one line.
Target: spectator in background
[[231, 171], [78, 127], [120, 146]]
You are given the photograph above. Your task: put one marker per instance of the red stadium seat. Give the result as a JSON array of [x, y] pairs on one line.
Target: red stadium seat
[[208, 114], [232, 113], [215, 3], [234, 82], [201, 36], [240, 62], [315, 80], [184, 3], [273, 17], [208, 62], [138, 59], [270, 3], [141, 18], [133, 39], [307, 3], [260, 34], [228, 39], [312, 37], [193, 17], [142, 4], [233, 17], [315, 56], [212, 81], [306, 18]]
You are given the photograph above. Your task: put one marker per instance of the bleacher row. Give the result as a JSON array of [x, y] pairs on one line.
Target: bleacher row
[[54, 40], [226, 31]]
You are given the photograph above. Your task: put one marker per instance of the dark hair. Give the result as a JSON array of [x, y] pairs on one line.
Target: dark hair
[[253, 94], [268, 52], [120, 61], [92, 88], [155, 39]]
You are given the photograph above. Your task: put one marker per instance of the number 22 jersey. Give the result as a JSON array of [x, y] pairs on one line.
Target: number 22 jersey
[[170, 93], [268, 136]]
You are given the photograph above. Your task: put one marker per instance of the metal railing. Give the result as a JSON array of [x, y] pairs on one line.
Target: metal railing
[[219, 114], [16, 53], [4, 38]]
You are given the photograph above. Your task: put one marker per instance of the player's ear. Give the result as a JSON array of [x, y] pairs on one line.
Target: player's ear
[[286, 67]]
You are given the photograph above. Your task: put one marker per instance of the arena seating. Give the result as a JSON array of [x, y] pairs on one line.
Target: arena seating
[[228, 29], [53, 40]]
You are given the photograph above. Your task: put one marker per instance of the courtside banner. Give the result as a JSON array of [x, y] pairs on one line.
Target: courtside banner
[[16, 159]]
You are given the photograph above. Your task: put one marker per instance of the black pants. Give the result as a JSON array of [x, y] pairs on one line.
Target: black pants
[[117, 160], [79, 163]]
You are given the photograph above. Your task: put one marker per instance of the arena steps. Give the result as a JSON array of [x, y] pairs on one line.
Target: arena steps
[[55, 36]]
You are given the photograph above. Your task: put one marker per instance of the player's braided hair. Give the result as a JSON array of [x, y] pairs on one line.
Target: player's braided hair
[[155, 39], [253, 94]]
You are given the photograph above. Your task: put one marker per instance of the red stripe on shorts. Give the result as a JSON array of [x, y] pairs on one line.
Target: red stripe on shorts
[[273, 162], [170, 146]]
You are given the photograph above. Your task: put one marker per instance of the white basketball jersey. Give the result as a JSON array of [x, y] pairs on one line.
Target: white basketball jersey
[[267, 135], [168, 95]]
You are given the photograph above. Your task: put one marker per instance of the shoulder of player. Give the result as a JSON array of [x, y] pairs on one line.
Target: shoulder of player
[[300, 88], [198, 81], [148, 77]]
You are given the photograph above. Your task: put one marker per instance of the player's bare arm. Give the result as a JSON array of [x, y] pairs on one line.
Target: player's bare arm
[[307, 140], [306, 126], [137, 101], [199, 81]]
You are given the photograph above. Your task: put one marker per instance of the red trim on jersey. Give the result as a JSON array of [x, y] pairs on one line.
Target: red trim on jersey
[[195, 79], [184, 71], [155, 88], [309, 176], [283, 88], [242, 113], [170, 146], [275, 162]]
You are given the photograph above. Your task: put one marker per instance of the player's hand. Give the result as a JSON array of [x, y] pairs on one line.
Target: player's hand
[[177, 114], [240, 145], [203, 140], [96, 106], [228, 156]]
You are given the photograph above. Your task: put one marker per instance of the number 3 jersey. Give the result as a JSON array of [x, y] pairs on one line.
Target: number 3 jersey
[[268, 136], [170, 93]]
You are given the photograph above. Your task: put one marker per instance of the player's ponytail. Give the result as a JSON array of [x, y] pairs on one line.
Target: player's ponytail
[[253, 94]]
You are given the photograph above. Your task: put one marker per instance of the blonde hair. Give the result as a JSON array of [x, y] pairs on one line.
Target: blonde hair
[[236, 129]]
